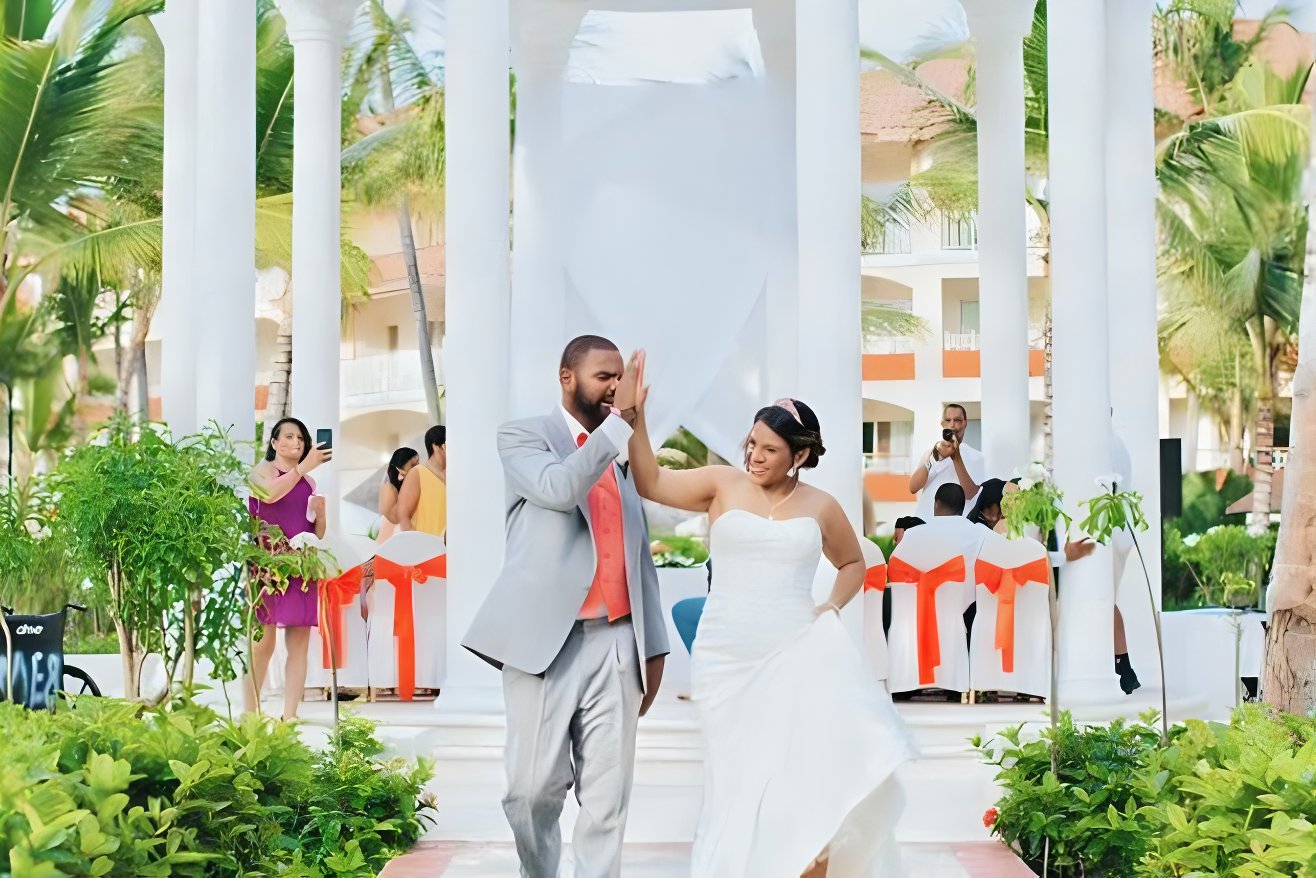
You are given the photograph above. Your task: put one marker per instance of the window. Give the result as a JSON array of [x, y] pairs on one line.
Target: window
[[969, 316], [392, 338]]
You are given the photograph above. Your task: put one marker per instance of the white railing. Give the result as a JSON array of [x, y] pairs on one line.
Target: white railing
[[384, 379], [887, 463], [960, 341], [892, 237], [888, 344]]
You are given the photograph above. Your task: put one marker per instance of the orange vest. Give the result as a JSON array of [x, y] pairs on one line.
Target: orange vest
[[607, 593]]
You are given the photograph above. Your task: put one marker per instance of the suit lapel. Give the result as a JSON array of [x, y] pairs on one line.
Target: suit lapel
[[564, 445]]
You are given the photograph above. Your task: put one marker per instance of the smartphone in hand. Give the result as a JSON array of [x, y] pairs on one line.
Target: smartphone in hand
[[324, 438]]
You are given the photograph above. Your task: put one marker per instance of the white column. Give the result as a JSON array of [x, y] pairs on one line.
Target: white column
[[1131, 256], [178, 306], [927, 300], [316, 29], [774, 23], [538, 329], [827, 193], [225, 256], [1076, 44], [478, 291], [999, 27]]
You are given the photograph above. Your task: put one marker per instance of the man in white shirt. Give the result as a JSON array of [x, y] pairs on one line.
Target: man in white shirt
[[949, 461]]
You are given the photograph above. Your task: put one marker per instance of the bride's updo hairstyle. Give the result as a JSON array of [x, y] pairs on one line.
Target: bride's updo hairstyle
[[798, 425]]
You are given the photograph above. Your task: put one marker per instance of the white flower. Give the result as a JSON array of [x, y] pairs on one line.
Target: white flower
[[1191, 539], [1037, 471], [1026, 483]]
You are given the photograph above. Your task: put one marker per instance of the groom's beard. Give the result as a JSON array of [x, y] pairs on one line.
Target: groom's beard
[[593, 412]]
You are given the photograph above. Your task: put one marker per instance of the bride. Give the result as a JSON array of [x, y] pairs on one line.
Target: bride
[[801, 742]]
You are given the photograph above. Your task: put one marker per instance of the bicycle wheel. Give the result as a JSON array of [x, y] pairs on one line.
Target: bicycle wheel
[[79, 682]]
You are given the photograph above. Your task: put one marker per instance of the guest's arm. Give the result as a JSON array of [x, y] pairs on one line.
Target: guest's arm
[[408, 499], [918, 479], [962, 474], [388, 502], [317, 506]]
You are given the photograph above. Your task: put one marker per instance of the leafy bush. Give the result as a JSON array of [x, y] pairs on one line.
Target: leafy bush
[[1219, 800], [886, 543], [1235, 799], [1229, 563], [114, 789], [674, 551], [1087, 808], [1205, 501]]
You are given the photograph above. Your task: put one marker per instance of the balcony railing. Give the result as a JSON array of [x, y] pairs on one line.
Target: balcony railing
[[894, 344], [890, 237], [959, 233], [888, 463], [966, 340], [384, 379]]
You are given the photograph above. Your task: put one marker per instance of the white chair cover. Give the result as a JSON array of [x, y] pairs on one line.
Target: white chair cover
[[926, 548], [1032, 624], [874, 636], [342, 552], [430, 608]]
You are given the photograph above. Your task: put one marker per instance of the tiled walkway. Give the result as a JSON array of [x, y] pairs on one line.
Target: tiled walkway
[[432, 859]]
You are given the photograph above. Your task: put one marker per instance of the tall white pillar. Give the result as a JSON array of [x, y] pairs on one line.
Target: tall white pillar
[[999, 27], [1131, 256], [1076, 50], [775, 25], [225, 255], [478, 296], [538, 330], [827, 193], [179, 306], [316, 29]]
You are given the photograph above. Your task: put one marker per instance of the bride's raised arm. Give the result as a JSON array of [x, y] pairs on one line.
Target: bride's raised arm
[[693, 490]]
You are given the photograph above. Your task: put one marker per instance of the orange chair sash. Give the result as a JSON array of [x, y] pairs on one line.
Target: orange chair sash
[[335, 596], [875, 578], [404, 577], [1004, 583], [927, 583]]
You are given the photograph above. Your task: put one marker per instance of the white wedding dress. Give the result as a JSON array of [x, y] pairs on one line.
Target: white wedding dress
[[801, 741]]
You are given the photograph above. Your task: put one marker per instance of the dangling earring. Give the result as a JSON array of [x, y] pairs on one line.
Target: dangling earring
[[790, 473]]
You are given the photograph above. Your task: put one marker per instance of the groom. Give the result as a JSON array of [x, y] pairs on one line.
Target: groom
[[573, 620]]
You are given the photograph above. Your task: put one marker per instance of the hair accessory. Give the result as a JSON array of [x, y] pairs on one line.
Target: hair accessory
[[789, 405]]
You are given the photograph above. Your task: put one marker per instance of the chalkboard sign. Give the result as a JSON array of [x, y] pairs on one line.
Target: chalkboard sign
[[38, 660]]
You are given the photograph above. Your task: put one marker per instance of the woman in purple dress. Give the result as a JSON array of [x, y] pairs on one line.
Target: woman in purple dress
[[288, 501]]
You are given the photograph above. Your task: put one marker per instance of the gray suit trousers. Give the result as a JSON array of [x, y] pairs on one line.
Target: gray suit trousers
[[574, 727]]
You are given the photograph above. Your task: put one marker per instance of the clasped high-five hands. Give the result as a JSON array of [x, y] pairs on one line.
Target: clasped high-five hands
[[632, 391]]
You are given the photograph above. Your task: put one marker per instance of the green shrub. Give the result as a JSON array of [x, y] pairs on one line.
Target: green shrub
[[1087, 808], [674, 551], [1230, 564], [113, 789], [886, 543], [1234, 800], [1237, 799], [1204, 503]]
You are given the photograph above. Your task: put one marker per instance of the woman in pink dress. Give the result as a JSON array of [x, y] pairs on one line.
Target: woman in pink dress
[[287, 501]]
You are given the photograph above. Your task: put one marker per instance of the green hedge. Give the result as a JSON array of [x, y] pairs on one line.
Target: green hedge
[[1235, 799], [112, 789]]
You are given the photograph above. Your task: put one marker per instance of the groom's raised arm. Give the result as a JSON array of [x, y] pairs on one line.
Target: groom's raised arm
[[536, 473]]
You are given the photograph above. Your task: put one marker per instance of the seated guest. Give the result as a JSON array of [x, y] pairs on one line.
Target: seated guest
[[987, 508], [904, 523], [949, 506]]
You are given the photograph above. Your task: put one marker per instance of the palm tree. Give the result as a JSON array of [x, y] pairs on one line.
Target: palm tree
[[1233, 227], [402, 151], [1288, 680]]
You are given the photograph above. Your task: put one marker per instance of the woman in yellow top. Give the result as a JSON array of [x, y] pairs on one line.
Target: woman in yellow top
[[423, 500]]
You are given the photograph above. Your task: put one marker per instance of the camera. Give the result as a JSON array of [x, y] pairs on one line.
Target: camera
[[947, 435]]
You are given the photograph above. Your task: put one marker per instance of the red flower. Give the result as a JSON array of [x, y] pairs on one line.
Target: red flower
[[989, 817]]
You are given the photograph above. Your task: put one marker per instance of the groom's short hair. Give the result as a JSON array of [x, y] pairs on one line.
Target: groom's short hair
[[580, 346]]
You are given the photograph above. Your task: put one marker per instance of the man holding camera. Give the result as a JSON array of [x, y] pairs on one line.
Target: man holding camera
[[948, 461]]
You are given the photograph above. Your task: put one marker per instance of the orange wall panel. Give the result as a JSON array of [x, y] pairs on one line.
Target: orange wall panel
[[888, 367], [888, 487], [961, 364]]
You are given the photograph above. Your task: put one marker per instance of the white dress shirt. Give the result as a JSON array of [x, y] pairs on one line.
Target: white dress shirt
[[613, 426]]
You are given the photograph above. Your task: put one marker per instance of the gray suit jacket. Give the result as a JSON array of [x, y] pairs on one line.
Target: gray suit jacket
[[550, 556]]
